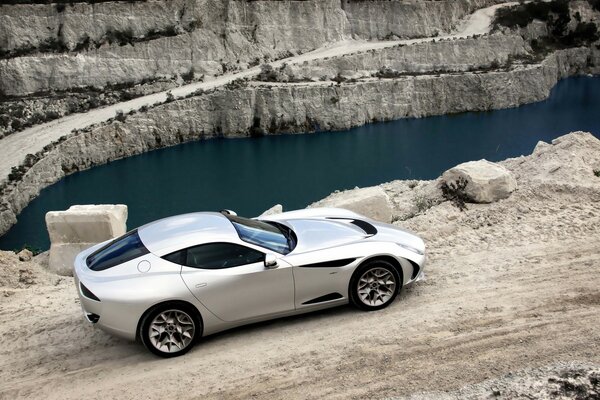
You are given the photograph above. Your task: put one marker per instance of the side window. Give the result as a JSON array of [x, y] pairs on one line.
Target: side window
[[177, 258], [221, 255]]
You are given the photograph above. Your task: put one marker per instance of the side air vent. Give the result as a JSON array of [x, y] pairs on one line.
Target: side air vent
[[364, 225], [416, 269], [93, 318], [322, 299], [330, 264], [87, 293]]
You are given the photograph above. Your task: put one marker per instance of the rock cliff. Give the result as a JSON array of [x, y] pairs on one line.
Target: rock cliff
[[54, 47]]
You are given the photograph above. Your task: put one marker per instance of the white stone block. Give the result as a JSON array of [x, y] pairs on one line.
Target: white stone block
[[80, 227], [276, 209], [371, 202]]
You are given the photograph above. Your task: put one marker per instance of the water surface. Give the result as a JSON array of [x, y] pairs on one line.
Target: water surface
[[250, 175]]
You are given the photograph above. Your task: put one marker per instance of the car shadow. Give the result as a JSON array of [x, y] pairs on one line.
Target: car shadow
[[290, 321]]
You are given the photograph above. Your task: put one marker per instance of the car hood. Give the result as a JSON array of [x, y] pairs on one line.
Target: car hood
[[316, 234], [403, 237]]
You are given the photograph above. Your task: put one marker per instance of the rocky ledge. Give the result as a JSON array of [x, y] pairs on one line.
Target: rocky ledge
[[568, 168]]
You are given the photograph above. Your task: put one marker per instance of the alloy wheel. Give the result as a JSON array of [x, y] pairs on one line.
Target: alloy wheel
[[376, 286], [171, 331]]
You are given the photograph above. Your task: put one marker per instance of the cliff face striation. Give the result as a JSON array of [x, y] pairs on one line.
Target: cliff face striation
[[55, 47]]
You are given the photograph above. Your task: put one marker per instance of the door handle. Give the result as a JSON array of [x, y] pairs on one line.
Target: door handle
[[199, 285]]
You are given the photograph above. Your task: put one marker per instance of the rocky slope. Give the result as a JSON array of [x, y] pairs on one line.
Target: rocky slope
[[510, 307]]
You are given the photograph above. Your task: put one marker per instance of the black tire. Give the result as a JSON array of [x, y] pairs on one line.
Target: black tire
[[182, 315], [357, 299]]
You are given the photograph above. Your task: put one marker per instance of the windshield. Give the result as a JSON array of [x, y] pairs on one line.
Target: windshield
[[271, 235]]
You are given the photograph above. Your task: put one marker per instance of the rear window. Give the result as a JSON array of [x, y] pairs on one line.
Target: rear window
[[120, 250]]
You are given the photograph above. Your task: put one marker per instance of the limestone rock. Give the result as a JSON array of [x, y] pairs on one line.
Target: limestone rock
[[487, 182], [25, 255], [80, 227], [371, 202], [276, 209]]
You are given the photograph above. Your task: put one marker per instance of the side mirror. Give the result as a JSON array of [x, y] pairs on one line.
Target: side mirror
[[270, 261]]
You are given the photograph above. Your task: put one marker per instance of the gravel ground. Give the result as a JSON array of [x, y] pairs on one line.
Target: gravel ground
[[511, 286]]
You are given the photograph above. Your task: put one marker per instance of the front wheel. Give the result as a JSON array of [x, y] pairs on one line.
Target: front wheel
[[170, 330], [374, 285]]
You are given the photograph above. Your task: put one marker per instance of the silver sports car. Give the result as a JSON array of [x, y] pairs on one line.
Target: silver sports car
[[175, 280]]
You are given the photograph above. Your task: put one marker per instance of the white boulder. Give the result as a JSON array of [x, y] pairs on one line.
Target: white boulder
[[25, 255], [372, 202], [80, 227], [487, 182], [276, 209]]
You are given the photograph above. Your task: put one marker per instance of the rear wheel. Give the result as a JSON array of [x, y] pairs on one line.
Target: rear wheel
[[170, 330], [374, 285]]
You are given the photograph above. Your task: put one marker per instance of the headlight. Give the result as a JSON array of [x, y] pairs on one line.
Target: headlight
[[409, 248]]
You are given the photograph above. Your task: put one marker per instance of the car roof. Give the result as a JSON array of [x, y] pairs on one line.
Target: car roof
[[181, 231]]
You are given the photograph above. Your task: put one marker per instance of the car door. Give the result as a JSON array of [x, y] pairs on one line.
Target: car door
[[322, 276], [232, 281]]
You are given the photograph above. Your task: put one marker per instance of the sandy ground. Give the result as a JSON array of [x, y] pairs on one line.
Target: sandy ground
[[510, 286], [15, 147]]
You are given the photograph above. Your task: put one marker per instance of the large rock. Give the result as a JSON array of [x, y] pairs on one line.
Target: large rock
[[276, 209], [371, 202], [80, 227], [487, 182]]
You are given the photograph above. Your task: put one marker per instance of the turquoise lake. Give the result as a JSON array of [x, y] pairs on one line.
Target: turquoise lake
[[251, 175]]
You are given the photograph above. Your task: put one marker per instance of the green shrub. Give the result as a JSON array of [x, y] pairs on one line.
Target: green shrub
[[188, 76], [268, 74], [585, 32], [339, 79], [387, 73], [423, 203], [120, 116], [236, 84], [455, 193], [595, 4], [556, 12]]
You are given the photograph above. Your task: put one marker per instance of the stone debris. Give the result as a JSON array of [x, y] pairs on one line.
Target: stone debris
[[276, 209], [567, 380], [25, 255], [372, 202]]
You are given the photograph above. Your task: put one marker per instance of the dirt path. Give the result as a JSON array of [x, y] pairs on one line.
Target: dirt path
[[510, 285], [15, 147]]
